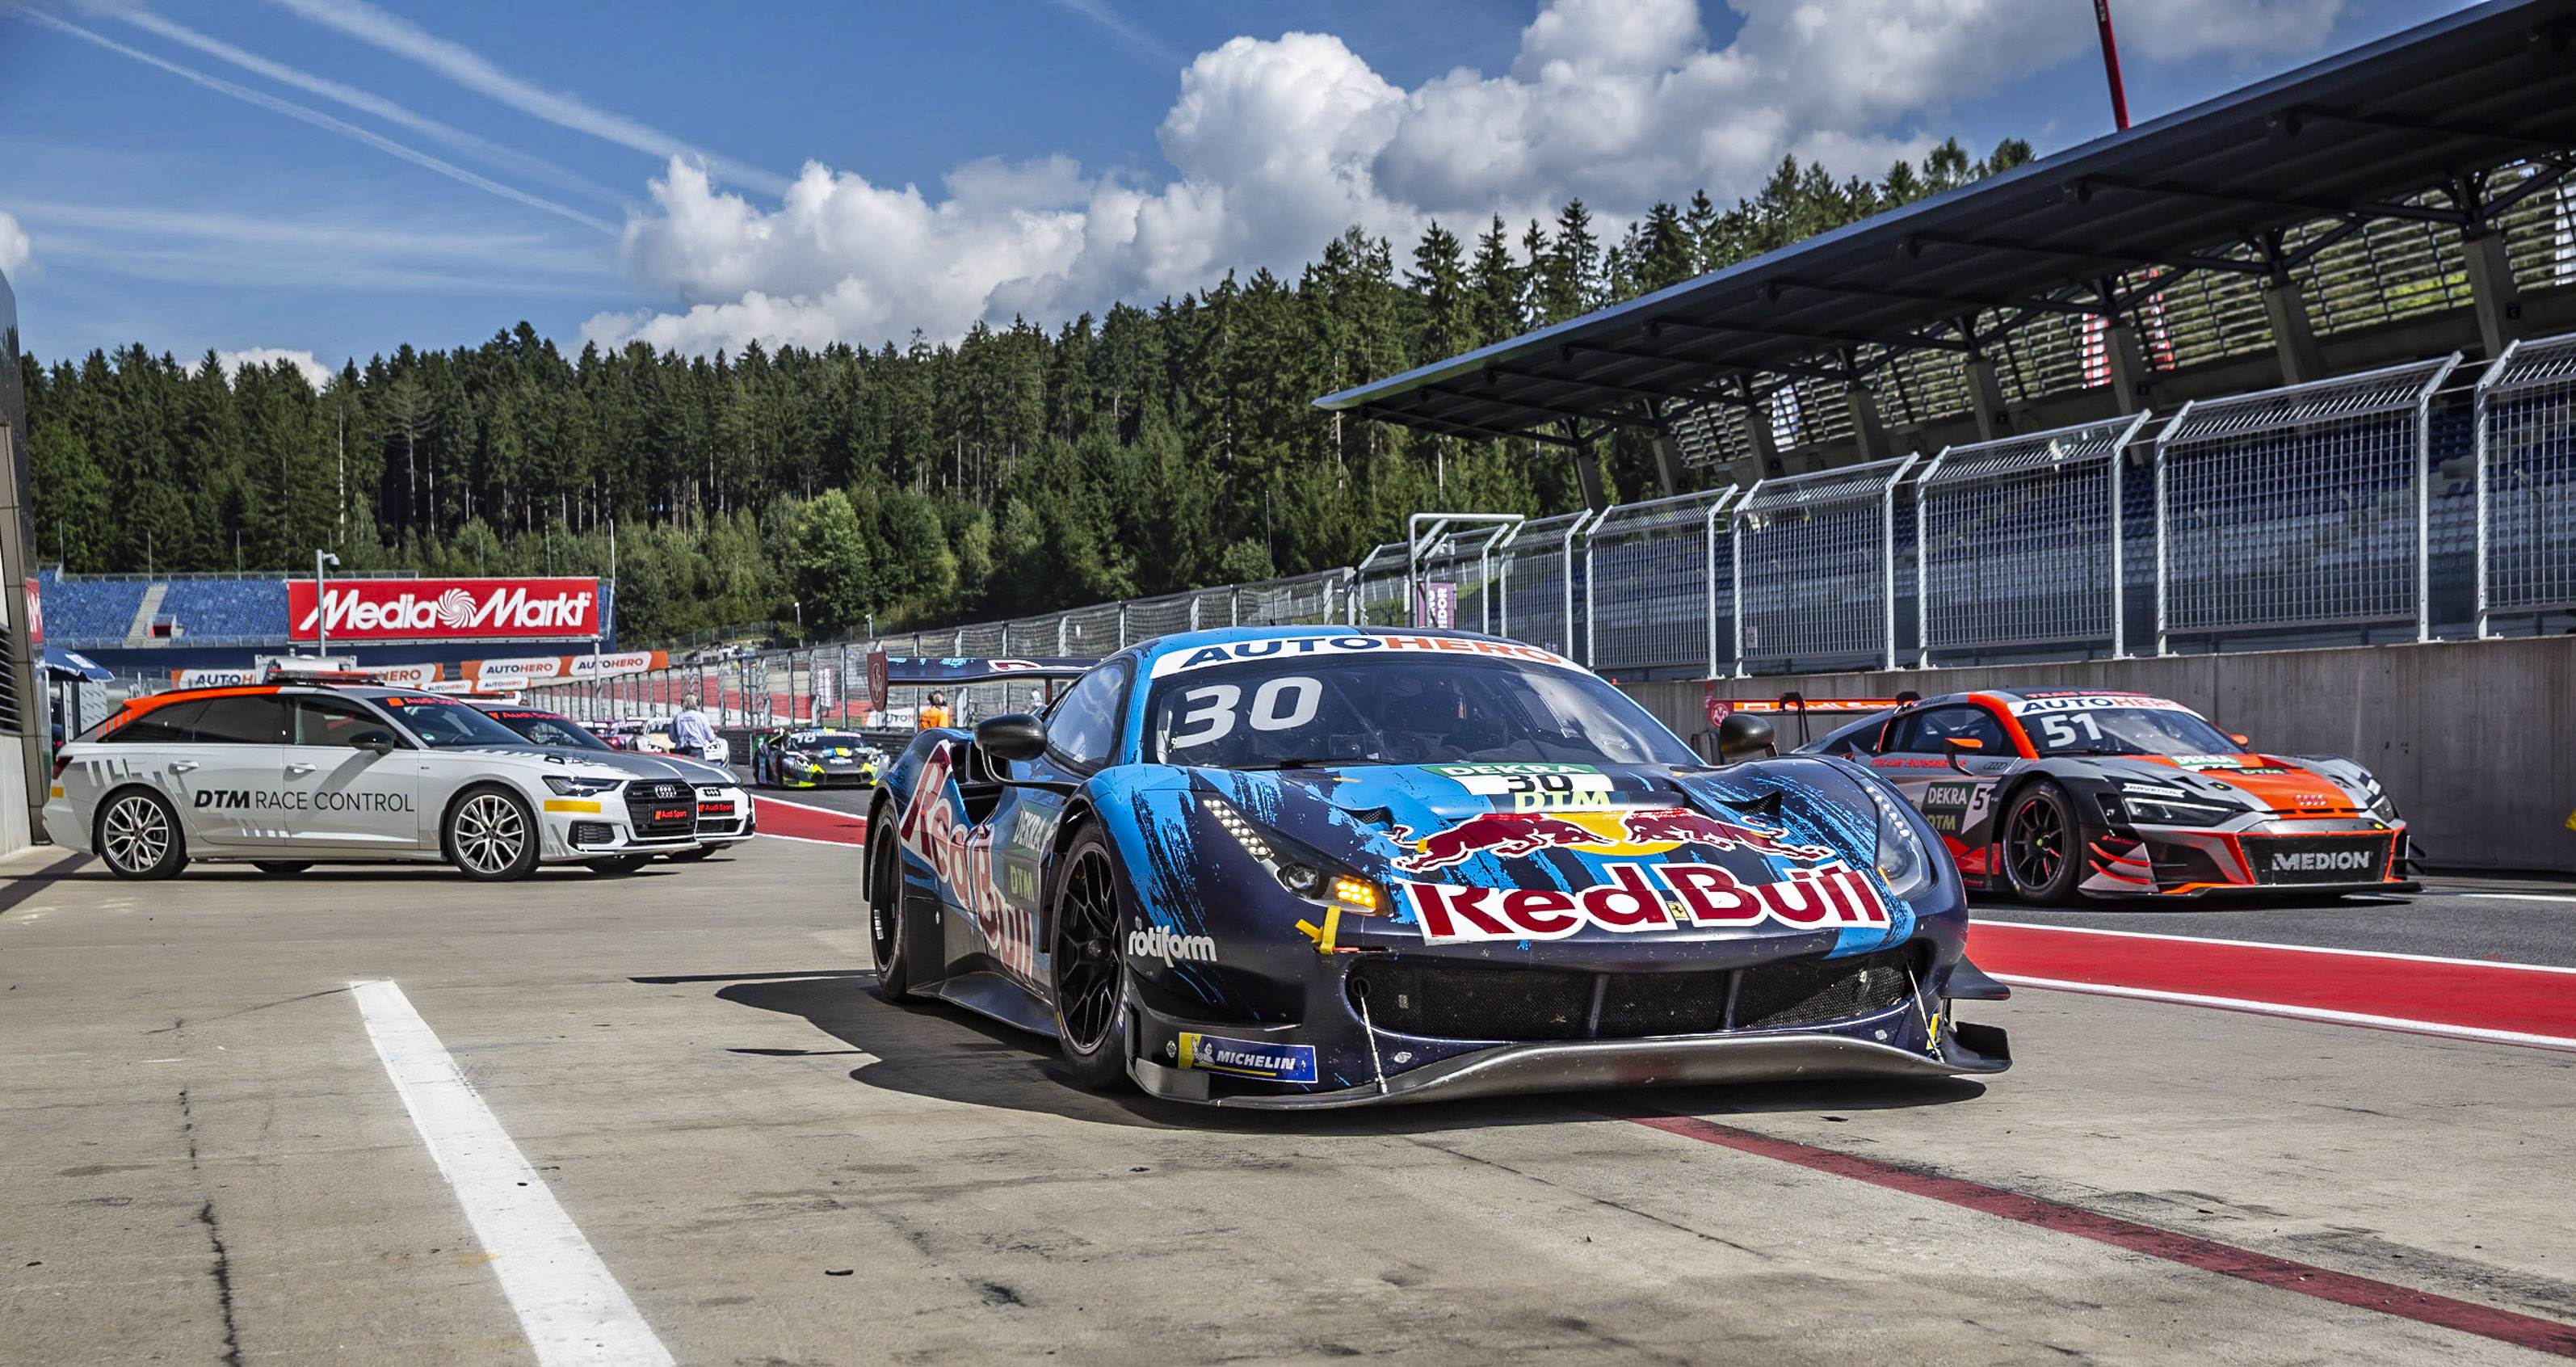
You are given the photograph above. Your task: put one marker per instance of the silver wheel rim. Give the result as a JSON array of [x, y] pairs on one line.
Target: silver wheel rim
[[490, 833], [135, 836]]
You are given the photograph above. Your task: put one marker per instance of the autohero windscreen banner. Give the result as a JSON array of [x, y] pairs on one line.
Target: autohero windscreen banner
[[443, 609]]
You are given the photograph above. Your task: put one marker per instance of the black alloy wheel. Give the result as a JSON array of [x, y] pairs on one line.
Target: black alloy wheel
[[2044, 846], [281, 868], [1090, 965], [137, 834], [887, 944]]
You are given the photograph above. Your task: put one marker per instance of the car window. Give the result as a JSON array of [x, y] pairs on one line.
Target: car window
[[1082, 732], [255, 719], [1923, 732], [451, 725], [545, 728], [333, 721], [169, 724]]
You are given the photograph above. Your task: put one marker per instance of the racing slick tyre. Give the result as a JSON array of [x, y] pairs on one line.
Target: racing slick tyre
[[1090, 966], [2044, 846], [690, 856], [618, 863], [888, 945], [281, 868], [137, 835], [491, 836]]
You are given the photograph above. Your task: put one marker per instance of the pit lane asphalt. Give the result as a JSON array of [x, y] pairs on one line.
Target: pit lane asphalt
[[206, 1162]]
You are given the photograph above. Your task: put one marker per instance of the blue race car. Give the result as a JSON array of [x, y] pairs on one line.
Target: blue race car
[[1322, 866]]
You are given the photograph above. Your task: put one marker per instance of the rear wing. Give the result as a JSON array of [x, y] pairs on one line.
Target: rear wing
[[889, 672], [1827, 713]]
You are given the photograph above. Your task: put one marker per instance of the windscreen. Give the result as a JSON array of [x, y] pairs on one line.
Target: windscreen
[[545, 728], [445, 725], [2101, 726], [1397, 709], [827, 740]]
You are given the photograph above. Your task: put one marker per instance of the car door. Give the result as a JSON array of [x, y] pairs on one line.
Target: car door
[[1083, 733], [1957, 799], [349, 800], [241, 798], [158, 749]]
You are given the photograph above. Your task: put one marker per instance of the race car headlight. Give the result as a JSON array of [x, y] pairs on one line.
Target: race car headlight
[[1903, 863], [581, 787], [2158, 805], [1308, 875]]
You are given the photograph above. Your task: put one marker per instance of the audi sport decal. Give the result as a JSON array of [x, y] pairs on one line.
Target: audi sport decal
[[1288, 647], [1647, 897], [1513, 835], [960, 856]]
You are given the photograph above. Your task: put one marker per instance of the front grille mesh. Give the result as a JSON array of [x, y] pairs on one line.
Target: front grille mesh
[[1450, 1001]]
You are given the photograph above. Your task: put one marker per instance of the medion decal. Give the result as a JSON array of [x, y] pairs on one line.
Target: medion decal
[[2324, 861], [411, 609]]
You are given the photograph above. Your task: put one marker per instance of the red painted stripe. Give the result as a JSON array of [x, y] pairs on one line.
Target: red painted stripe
[[810, 823], [2480, 996], [2504, 1326]]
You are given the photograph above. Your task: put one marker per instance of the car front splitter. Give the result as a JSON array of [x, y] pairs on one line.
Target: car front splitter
[[1591, 1064]]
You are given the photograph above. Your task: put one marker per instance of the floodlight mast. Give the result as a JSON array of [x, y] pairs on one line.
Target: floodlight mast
[[2111, 63], [322, 606]]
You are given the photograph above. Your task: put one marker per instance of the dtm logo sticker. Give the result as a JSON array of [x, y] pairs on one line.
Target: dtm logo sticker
[[1673, 896], [1158, 942], [2325, 861], [258, 800]]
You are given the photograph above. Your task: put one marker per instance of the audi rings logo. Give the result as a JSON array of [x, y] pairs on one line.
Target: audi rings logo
[[455, 608], [666, 791]]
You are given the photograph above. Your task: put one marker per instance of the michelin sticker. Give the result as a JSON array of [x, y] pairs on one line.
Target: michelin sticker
[[1248, 1058]]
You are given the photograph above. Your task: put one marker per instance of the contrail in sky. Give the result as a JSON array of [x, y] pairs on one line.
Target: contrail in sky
[[471, 69], [364, 101], [1099, 12], [320, 120]]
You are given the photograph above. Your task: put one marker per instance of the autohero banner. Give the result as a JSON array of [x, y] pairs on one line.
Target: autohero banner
[[443, 609], [296, 800]]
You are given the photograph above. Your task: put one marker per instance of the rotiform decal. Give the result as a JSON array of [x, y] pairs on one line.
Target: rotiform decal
[[1159, 942]]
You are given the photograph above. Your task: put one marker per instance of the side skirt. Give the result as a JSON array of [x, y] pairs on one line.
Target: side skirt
[[991, 994]]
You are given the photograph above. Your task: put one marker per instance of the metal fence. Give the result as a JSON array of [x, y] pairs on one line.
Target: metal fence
[[1815, 568], [1652, 591], [2526, 482], [2341, 510], [2017, 542], [2305, 506]]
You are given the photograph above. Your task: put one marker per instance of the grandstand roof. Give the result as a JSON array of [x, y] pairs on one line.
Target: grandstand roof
[[2263, 179]]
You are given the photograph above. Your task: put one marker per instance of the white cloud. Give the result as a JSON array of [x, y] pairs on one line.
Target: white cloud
[[16, 248], [315, 373], [1279, 144]]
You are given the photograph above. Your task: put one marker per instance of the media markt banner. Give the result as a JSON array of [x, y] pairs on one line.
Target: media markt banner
[[443, 609]]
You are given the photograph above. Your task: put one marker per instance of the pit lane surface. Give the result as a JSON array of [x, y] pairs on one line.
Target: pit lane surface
[[209, 1161]]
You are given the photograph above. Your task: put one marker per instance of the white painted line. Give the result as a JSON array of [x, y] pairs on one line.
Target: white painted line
[[808, 806], [2513, 897], [2309, 1013], [2266, 944], [809, 840], [573, 1311]]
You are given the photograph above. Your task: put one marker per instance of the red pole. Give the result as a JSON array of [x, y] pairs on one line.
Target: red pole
[[2111, 62]]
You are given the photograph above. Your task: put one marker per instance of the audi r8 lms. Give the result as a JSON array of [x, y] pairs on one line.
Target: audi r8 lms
[[792, 757], [284, 776], [725, 815], [1296, 867], [2064, 794]]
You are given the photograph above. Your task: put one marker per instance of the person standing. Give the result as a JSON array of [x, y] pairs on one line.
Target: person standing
[[934, 713], [691, 733]]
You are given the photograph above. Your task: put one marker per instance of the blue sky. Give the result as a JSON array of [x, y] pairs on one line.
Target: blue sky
[[337, 177]]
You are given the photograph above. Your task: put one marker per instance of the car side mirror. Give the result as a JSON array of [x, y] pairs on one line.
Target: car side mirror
[[2241, 740], [1742, 736], [1014, 736], [379, 742], [1961, 745]]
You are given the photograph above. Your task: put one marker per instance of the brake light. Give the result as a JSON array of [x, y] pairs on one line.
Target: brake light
[[60, 763]]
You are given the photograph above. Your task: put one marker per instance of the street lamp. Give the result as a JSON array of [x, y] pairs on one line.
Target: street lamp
[[322, 604], [800, 618]]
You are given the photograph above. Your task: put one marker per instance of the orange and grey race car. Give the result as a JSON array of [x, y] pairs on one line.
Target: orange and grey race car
[[2064, 794]]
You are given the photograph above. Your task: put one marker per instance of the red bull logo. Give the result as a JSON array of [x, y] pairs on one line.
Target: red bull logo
[[1639, 897], [1517, 835]]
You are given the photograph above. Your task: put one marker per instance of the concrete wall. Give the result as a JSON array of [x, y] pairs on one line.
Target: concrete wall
[[2475, 739]]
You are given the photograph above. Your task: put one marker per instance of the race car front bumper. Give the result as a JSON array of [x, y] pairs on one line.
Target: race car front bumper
[[2295, 856], [1589, 1064]]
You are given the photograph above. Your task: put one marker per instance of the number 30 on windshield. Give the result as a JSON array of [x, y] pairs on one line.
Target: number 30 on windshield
[[2061, 728], [1211, 716]]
